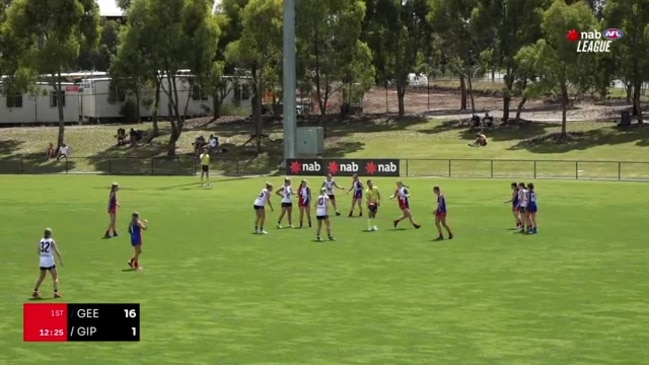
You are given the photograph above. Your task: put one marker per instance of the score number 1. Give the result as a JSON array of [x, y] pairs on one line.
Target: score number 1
[[131, 313]]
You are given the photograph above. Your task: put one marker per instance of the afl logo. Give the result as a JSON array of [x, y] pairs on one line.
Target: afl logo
[[613, 34]]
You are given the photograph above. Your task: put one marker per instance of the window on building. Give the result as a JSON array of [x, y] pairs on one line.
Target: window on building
[[117, 94], [198, 93], [242, 91], [54, 101], [15, 101]]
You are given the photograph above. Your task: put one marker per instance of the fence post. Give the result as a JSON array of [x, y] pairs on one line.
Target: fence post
[[22, 168], [534, 169], [66, 165], [449, 167], [110, 166], [151, 166], [619, 170], [236, 160], [492, 168], [576, 170], [407, 171]]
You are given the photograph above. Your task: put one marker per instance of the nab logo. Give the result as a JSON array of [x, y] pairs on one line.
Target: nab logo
[[613, 34]]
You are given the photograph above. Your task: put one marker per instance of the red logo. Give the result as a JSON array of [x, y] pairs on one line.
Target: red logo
[[370, 168], [296, 167], [333, 167], [573, 35]]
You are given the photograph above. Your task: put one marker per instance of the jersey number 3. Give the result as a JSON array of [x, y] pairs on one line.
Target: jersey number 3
[[45, 247]]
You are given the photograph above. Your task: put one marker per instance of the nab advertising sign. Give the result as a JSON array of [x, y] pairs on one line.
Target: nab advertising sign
[[343, 167]]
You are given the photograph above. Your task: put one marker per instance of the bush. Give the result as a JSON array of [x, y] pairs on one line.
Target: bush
[[128, 111]]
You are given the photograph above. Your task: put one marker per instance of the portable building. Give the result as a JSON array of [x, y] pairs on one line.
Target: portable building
[[40, 106]]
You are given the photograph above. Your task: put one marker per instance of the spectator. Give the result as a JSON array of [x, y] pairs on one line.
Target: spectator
[[64, 152], [213, 141], [121, 136], [199, 143], [50, 152], [480, 141]]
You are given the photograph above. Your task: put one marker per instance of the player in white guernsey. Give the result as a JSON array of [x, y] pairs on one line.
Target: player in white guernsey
[[330, 187], [259, 205], [523, 203], [46, 250], [286, 192], [321, 214]]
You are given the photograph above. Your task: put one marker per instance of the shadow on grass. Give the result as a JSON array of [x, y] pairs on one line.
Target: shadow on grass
[[32, 163], [502, 132], [554, 143]]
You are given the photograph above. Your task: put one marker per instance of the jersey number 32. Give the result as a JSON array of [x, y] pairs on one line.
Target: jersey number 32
[[45, 247]]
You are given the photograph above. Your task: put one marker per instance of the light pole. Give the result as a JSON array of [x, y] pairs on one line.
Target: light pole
[[289, 85]]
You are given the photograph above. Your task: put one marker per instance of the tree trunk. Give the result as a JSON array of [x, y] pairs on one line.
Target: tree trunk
[[507, 97], [156, 106], [137, 106], [519, 109], [463, 93], [259, 102], [175, 119], [637, 106], [401, 93], [564, 110], [59, 106], [468, 69], [629, 92], [216, 107]]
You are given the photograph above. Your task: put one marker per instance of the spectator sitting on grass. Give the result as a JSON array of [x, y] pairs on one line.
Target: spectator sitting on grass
[[64, 152], [199, 143], [480, 141], [213, 141], [50, 152]]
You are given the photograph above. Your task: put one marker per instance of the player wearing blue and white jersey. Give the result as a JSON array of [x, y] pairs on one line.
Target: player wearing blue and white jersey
[[47, 248], [321, 214], [135, 228], [532, 208], [357, 198], [259, 206], [286, 192]]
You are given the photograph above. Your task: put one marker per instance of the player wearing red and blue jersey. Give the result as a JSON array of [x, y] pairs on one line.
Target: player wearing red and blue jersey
[[403, 197], [304, 202], [135, 228], [357, 199], [113, 204], [532, 209], [440, 214]]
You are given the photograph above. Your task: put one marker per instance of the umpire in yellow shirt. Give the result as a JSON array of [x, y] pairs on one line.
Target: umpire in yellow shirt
[[373, 196], [205, 167]]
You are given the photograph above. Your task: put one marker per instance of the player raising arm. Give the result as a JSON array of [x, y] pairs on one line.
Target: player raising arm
[[259, 206], [330, 186], [113, 204], [47, 248], [135, 228], [373, 196], [403, 196]]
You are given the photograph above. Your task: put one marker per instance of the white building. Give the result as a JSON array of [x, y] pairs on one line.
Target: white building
[[101, 100], [40, 107]]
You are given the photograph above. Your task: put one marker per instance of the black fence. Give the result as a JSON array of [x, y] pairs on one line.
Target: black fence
[[240, 166]]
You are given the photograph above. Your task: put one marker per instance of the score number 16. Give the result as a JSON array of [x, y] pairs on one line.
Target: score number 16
[[131, 313]]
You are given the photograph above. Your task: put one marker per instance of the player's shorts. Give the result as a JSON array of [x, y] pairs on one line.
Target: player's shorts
[[331, 197], [373, 207], [358, 194], [112, 210], [205, 168], [515, 208], [440, 214], [286, 205], [532, 209], [304, 203], [522, 209], [48, 268], [322, 217], [404, 205], [258, 207], [136, 243]]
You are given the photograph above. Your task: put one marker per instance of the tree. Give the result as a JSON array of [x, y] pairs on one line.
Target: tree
[[55, 31], [457, 32], [259, 49], [329, 49], [175, 35], [99, 58], [507, 26], [555, 59], [632, 16]]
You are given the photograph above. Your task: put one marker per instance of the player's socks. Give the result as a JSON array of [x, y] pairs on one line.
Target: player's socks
[[351, 213], [450, 236], [331, 238], [369, 224], [396, 223], [417, 226], [107, 234], [360, 214]]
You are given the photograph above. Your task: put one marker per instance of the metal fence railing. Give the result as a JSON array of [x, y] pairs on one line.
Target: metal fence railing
[[410, 167]]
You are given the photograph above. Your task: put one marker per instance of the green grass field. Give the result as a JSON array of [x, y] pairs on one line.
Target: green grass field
[[213, 293]]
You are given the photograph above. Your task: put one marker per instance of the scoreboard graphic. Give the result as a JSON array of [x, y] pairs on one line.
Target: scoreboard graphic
[[60, 322]]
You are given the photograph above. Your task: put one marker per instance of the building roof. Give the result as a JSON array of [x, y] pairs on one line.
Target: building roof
[[109, 8]]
